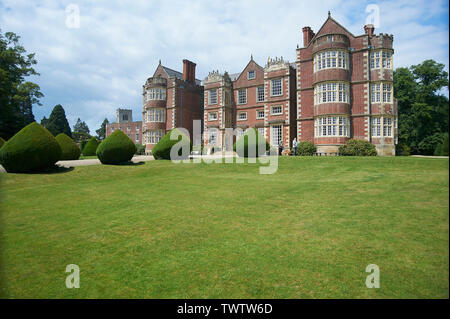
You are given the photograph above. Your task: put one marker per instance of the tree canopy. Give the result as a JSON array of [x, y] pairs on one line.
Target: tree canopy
[[101, 132], [57, 122], [17, 96], [423, 110]]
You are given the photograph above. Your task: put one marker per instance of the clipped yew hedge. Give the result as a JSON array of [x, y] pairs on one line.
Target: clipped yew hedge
[[91, 147], [249, 147], [69, 149], [2, 141], [162, 149], [116, 149], [33, 148]]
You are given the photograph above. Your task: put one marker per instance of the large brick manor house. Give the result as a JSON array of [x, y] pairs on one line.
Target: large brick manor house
[[340, 87]]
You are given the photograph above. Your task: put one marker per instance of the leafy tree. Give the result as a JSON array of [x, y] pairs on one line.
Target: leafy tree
[[422, 108], [81, 127], [57, 122], [17, 96], [101, 132]]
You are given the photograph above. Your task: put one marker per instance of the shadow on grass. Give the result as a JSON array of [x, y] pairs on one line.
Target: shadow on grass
[[130, 163], [55, 169]]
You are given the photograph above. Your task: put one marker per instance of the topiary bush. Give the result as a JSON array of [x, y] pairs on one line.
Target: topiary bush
[[33, 148], [91, 147], [70, 149], [243, 147], [356, 147], [116, 148], [306, 148], [162, 149], [2, 141]]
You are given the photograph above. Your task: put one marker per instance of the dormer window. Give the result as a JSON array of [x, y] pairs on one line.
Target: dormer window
[[251, 75]]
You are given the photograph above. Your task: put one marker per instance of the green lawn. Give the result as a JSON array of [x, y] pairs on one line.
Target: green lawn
[[164, 230], [88, 157]]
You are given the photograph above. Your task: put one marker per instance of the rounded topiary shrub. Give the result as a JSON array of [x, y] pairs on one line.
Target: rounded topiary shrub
[[116, 148], [91, 147], [306, 148], [2, 141], [162, 149], [245, 148], [69, 149], [355, 147], [33, 148]]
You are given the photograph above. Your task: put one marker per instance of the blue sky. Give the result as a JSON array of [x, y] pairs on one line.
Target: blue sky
[[102, 65]]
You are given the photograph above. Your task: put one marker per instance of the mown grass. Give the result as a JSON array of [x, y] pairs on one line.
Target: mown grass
[[164, 230]]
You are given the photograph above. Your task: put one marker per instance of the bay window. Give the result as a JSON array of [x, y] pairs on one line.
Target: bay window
[[331, 92], [338, 126]]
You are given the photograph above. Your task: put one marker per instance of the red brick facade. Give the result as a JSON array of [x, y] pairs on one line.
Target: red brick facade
[[248, 100], [124, 122], [342, 78], [340, 87], [170, 99]]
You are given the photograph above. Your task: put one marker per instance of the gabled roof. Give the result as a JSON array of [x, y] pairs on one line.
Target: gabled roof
[[240, 73], [172, 73], [330, 19]]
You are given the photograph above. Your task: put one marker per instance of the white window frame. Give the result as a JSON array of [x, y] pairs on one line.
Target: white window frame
[[259, 91], [210, 100], [332, 126], [211, 117], [331, 92], [239, 116], [156, 94], [276, 135], [154, 136], [244, 96], [254, 75], [381, 92], [331, 59], [381, 59], [272, 110], [258, 117], [272, 87], [261, 131], [382, 126], [156, 115]]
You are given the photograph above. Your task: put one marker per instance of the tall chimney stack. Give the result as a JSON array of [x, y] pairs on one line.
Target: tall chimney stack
[[369, 29], [189, 71], [308, 34]]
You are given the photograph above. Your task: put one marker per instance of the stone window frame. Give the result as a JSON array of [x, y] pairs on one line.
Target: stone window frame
[[210, 118], [382, 126], [239, 116], [244, 96], [260, 117], [331, 59], [381, 59], [332, 92], [279, 134], [332, 126], [154, 136], [258, 93], [254, 75], [159, 94], [277, 113], [156, 115], [216, 98], [382, 92], [272, 87]]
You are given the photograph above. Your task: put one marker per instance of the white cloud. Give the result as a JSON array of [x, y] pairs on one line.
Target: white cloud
[[102, 65]]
